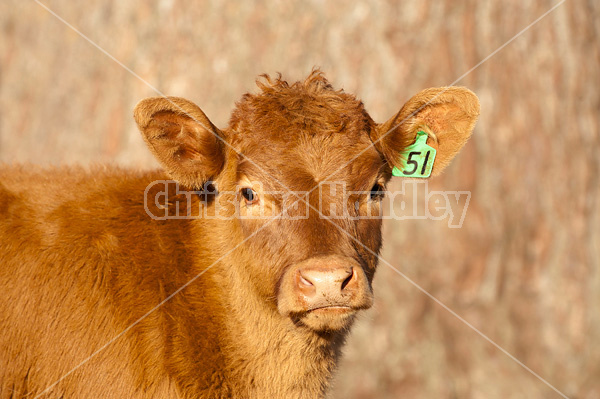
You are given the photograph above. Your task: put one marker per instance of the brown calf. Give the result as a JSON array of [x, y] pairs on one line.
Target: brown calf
[[107, 292]]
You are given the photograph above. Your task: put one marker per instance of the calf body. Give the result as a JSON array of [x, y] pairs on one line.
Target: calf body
[[251, 293], [82, 261]]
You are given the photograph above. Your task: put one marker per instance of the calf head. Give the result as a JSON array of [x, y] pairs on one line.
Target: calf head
[[301, 172]]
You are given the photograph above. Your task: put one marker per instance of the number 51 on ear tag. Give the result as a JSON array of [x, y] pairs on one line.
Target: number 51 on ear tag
[[419, 159]]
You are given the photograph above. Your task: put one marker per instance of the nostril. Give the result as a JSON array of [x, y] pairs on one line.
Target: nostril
[[305, 284], [326, 281], [348, 279], [305, 281]]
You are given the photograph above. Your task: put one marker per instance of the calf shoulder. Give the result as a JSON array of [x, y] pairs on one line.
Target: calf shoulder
[[83, 265]]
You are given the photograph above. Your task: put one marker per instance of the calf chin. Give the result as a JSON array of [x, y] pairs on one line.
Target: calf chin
[[324, 293]]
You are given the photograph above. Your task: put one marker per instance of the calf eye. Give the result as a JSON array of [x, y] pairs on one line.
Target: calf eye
[[377, 192], [249, 195]]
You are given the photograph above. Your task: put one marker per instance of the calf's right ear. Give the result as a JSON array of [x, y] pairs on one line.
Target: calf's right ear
[[185, 142]]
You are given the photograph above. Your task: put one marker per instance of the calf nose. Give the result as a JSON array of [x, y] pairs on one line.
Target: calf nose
[[326, 282]]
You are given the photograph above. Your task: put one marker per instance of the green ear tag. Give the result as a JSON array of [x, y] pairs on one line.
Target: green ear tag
[[418, 159]]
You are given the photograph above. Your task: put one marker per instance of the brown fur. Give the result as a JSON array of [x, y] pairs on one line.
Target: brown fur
[[81, 261]]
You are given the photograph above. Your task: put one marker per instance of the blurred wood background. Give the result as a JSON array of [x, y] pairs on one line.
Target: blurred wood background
[[524, 268]]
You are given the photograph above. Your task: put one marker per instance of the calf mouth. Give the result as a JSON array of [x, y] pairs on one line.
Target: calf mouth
[[331, 309], [327, 314], [327, 318]]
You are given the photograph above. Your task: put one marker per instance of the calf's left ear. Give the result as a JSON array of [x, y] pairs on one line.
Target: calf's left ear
[[446, 114], [185, 142]]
